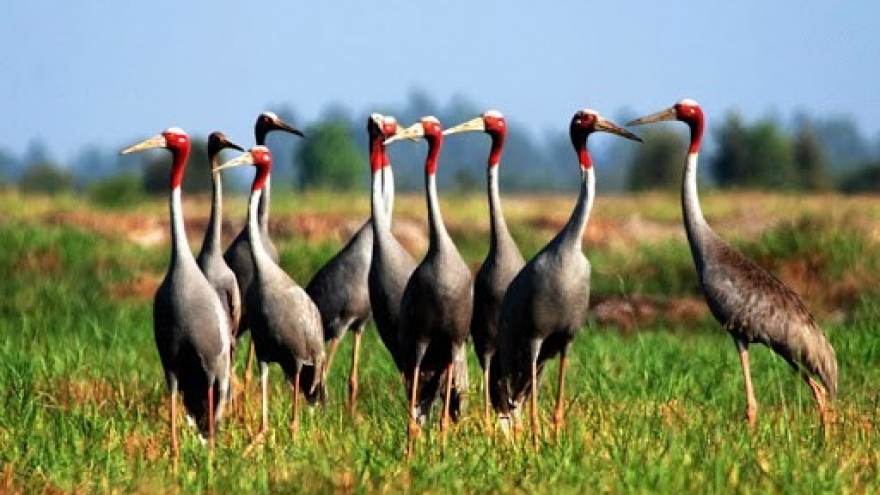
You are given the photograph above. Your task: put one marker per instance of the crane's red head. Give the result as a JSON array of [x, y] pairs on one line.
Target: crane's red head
[[687, 111], [217, 142], [175, 140], [379, 128], [268, 122], [492, 123], [429, 128], [585, 122], [258, 156]]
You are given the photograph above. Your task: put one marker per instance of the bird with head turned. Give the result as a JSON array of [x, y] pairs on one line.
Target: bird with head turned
[[546, 303], [747, 300]]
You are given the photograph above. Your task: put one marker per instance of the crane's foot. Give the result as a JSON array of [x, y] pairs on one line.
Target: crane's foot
[[258, 440], [413, 432], [752, 415]]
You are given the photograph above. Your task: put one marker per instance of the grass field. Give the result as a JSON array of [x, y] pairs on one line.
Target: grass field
[[656, 407]]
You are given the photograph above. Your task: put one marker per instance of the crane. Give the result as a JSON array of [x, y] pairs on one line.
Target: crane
[[435, 311], [546, 303], [238, 254], [502, 262], [210, 258], [285, 323], [748, 301], [339, 289], [189, 324], [390, 264]]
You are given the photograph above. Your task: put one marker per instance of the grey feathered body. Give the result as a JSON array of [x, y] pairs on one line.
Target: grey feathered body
[[754, 306], [340, 288], [188, 324]]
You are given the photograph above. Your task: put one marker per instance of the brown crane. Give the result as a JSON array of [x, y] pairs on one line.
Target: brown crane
[[435, 311], [189, 324], [285, 323], [546, 303], [238, 254], [749, 302], [502, 262], [210, 258]]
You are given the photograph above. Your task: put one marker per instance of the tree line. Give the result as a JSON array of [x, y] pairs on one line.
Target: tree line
[[804, 154]]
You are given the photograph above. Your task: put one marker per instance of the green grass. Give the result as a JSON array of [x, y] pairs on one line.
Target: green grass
[[661, 411]]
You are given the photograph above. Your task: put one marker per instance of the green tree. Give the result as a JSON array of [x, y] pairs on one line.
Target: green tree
[[196, 178], [329, 158], [46, 178], [657, 162], [728, 164], [760, 155], [810, 159]]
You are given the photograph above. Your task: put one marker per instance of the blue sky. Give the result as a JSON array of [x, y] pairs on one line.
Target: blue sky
[[97, 72]]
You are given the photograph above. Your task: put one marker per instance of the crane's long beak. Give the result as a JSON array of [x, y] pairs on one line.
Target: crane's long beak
[[243, 159], [603, 124], [157, 141], [289, 128], [413, 133], [473, 125], [230, 144], [668, 114]]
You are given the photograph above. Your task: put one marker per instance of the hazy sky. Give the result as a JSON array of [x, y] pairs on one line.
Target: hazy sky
[[99, 72]]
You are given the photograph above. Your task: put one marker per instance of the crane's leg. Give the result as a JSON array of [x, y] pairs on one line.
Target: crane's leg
[[818, 396], [751, 403], [353, 376], [175, 447], [211, 416], [334, 343], [559, 412], [249, 363], [413, 425], [264, 406], [294, 423], [533, 409], [487, 362], [444, 421]]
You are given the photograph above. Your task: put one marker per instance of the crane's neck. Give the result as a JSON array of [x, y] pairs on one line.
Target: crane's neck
[[263, 207], [497, 225], [694, 222], [573, 232], [258, 250], [382, 185], [180, 245], [437, 228], [212, 241]]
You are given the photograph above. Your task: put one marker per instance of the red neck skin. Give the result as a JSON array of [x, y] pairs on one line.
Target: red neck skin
[[434, 145], [584, 155], [260, 178], [696, 125], [181, 157], [378, 158], [497, 148]]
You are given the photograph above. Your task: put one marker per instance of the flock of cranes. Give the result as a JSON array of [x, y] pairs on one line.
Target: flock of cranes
[[519, 313]]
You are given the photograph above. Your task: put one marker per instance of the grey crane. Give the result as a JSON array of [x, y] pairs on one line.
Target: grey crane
[[435, 311], [546, 303], [285, 323], [339, 289], [502, 262], [390, 265], [238, 254], [749, 302], [189, 324], [210, 258]]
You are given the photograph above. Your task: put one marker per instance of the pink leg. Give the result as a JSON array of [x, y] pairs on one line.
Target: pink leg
[[751, 404], [486, 400], [413, 423], [558, 413], [353, 377], [444, 421], [294, 423]]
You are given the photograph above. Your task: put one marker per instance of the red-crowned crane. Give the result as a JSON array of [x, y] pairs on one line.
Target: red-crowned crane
[[210, 258], [391, 265], [285, 323], [435, 311], [502, 262], [189, 323], [238, 254], [749, 302], [546, 303]]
